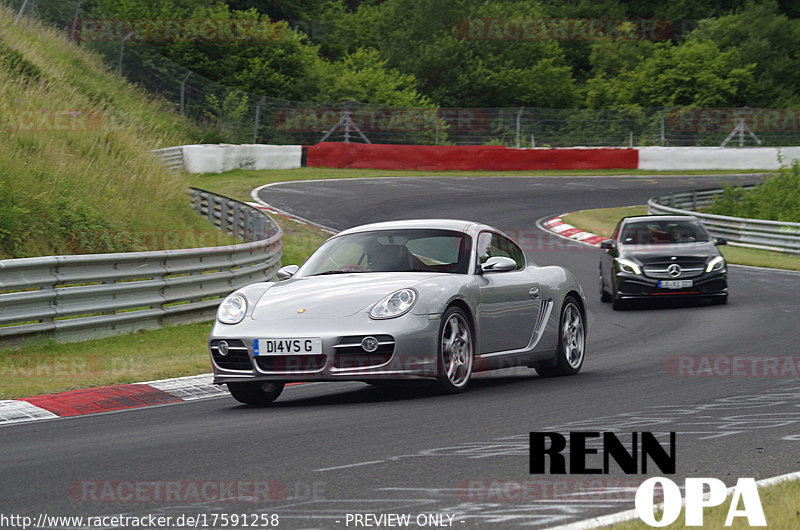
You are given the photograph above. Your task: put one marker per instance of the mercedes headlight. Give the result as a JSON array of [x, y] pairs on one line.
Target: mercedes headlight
[[716, 264], [232, 310], [626, 265], [396, 304]]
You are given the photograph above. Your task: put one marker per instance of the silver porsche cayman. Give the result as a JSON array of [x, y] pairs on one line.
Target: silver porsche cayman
[[424, 299]]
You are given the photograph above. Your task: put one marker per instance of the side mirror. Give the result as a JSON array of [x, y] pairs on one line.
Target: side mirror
[[720, 241], [499, 264], [608, 244], [284, 273]]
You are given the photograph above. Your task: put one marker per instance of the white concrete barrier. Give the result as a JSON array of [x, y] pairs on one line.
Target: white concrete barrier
[[218, 158], [687, 158]]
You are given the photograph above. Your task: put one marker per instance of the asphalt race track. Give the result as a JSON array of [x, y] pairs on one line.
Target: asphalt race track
[[350, 448]]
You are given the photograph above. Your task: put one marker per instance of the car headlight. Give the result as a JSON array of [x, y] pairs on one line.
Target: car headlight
[[232, 310], [396, 304], [626, 265], [716, 264]]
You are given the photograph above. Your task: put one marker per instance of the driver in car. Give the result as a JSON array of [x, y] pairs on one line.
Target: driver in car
[[388, 258]]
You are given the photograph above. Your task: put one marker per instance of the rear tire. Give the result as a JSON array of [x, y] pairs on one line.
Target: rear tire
[[257, 392], [571, 342], [456, 351]]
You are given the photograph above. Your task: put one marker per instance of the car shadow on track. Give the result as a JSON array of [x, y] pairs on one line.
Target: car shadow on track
[[666, 303], [412, 390]]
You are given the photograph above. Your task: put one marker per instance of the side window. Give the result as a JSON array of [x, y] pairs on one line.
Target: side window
[[491, 245]]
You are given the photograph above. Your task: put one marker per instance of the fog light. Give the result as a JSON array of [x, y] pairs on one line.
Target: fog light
[[369, 344]]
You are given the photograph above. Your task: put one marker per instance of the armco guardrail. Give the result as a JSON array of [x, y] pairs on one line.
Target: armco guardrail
[[754, 233], [172, 157], [95, 295]]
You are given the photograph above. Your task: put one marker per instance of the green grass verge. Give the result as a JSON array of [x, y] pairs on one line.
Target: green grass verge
[[46, 366], [603, 220], [780, 503], [299, 240]]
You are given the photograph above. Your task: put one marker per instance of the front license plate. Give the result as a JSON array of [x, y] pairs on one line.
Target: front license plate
[[675, 284], [296, 346]]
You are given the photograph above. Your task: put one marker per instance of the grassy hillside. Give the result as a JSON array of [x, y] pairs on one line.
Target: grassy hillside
[[76, 175]]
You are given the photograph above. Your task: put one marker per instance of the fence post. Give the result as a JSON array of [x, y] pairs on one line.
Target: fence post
[[183, 92], [258, 109], [75, 20], [519, 128], [121, 50], [21, 10]]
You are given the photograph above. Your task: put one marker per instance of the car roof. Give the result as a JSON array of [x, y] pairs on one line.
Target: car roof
[[430, 224]]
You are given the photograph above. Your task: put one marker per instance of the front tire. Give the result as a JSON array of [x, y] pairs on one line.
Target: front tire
[[605, 296], [618, 304], [571, 344], [456, 351], [719, 300], [256, 393]]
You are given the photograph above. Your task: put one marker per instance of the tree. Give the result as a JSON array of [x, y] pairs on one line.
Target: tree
[[274, 59], [363, 76], [761, 35], [696, 73], [471, 53]]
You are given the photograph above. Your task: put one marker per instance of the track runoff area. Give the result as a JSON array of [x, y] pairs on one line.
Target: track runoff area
[[630, 453], [347, 455]]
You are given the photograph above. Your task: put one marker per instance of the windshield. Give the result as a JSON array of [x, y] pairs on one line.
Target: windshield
[[660, 231], [392, 251]]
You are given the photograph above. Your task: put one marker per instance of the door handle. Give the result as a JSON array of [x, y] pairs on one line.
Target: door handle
[[534, 292]]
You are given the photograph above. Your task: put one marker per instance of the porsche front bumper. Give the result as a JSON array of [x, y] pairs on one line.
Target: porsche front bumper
[[407, 349]]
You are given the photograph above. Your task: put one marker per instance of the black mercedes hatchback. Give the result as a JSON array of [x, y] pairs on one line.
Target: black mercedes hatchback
[[652, 256]]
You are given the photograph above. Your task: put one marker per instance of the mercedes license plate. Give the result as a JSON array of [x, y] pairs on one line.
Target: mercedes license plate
[[675, 284]]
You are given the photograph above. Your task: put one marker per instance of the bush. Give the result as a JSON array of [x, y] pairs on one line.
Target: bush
[[777, 198]]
